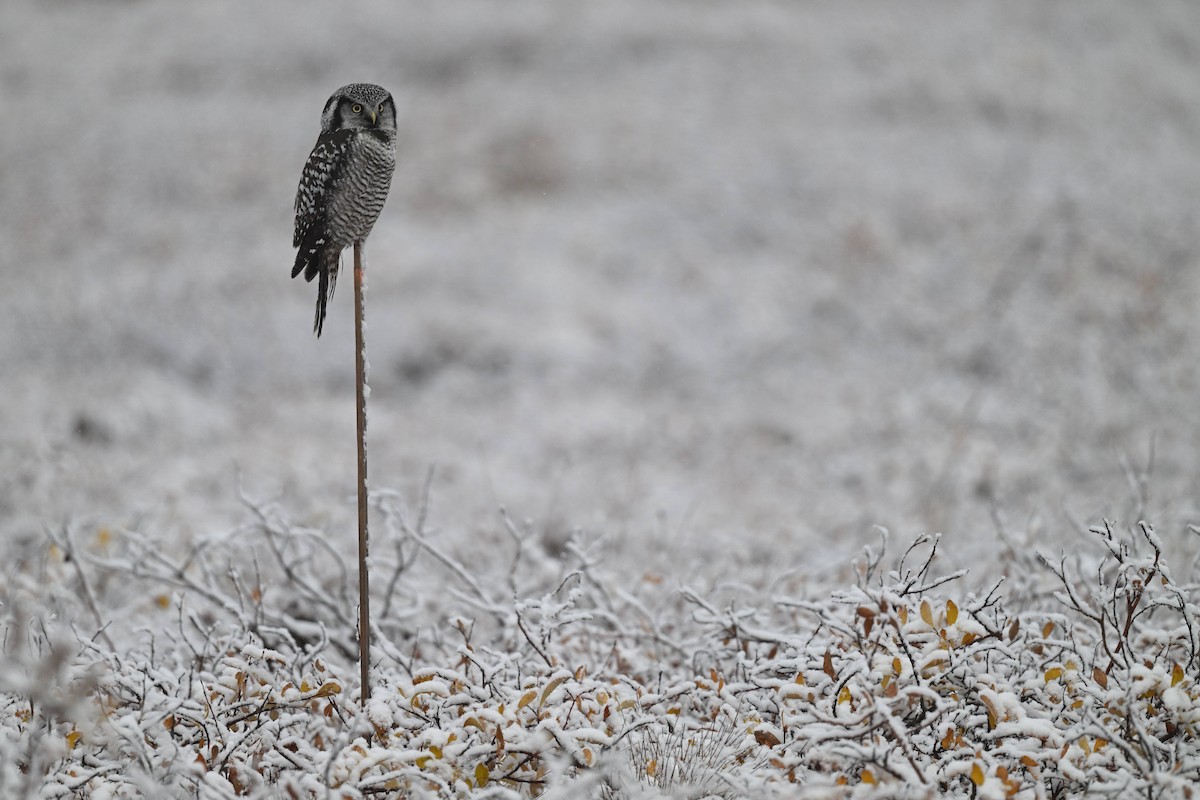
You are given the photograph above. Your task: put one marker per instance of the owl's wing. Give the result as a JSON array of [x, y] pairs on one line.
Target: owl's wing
[[320, 174]]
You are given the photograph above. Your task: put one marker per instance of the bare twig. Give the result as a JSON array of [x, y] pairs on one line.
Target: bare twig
[[84, 588]]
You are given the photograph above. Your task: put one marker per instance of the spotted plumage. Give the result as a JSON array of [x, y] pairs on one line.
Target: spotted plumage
[[344, 184]]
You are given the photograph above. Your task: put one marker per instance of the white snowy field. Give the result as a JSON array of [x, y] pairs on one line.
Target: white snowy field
[[716, 288], [677, 272]]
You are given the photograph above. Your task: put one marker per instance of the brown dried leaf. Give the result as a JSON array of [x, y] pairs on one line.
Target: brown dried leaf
[[766, 738]]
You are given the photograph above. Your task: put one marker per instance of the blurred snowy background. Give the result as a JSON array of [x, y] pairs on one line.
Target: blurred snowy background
[[729, 278]]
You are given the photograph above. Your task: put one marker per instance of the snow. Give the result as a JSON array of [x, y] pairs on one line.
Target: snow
[[774, 271], [705, 293]]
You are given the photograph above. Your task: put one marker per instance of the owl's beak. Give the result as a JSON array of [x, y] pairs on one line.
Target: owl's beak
[[373, 117]]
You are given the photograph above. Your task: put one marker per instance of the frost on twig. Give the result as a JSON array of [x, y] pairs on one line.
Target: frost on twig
[[225, 667]]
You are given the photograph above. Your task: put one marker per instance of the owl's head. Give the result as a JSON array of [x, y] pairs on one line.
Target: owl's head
[[362, 106]]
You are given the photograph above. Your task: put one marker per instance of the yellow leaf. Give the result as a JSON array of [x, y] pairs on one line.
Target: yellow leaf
[[968, 637], [948, 739], [328, 688], [1053, 674], [1028, 762], [162, 601], [550, 687], [73, 738], [651, 767], [526, 699], [897, 666], [844, 695], [868, 777], [1100, 743], [930, 668], [951, 612], [926, 613], [902, 612], [1100, 677], [481, 775], [103, 537], [992, 716], [437, 751], [976, 774], [1176, 674], [1047, 629]]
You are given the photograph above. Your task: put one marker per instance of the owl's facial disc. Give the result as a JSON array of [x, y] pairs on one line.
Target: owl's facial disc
[[364, 112]]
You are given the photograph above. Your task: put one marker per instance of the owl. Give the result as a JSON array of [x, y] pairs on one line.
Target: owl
[[344, 184]]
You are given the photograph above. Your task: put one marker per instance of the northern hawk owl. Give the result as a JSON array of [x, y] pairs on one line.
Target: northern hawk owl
[[344, 183]]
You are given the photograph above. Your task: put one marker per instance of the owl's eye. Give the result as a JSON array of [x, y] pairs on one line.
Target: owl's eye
[[356, 108], [381, 107]]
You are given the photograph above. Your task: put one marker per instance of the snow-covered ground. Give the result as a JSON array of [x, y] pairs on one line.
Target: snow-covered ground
[[723, 286], [757, 271]]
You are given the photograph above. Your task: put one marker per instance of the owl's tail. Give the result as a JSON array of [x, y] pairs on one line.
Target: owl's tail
[[325, 286], [319, 263]]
